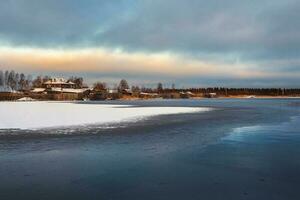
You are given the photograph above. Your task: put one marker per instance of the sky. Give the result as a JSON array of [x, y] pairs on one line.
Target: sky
[[192, 43]]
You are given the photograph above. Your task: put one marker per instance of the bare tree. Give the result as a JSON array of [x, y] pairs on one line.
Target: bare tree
[[123, 85], [1, 78], [6, 78], [46, 78], [28, 82], [100, 86], [159, 87], [22, 81], [173, 86], [135, 89], [77, 80], [12, 80], [37, 82], [17, 79]]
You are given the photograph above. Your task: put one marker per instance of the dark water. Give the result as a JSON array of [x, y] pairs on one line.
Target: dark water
[[244, 149]]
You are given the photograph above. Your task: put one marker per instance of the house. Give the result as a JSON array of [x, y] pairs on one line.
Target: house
[[186, 95], [60, 89], [126, 92], [211, 95], [6, 93]]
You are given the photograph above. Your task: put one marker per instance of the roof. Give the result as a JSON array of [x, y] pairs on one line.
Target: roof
[[68, 90], [188, 92], [148, 94], [38, 90], [58, 81], [26, 99], [112, 91]]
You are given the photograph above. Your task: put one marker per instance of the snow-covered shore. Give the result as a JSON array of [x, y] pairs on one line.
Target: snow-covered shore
[[35, 115]]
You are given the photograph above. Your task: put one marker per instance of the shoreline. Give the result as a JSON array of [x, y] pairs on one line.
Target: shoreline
[[146, 99]]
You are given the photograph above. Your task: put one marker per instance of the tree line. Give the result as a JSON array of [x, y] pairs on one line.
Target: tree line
[[224, 91], [19, 81], [123, 86], [14, 80]]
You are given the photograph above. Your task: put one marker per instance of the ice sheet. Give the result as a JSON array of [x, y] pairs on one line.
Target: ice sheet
[[35, 115]]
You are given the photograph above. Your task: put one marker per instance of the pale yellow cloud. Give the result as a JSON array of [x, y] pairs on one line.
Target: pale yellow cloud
[[100, 60], [110, 61]]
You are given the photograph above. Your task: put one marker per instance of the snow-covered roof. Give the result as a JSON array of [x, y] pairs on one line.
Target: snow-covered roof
[[26, 99], [148, 94], [54, 81], [38, 90], [127, 90], [112, 91], [188, 92], [69, 90]]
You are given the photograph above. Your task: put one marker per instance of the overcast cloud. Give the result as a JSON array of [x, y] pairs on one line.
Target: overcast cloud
[[259, 35]]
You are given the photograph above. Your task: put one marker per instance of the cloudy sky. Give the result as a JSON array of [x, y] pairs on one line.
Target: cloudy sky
[[234, 43]]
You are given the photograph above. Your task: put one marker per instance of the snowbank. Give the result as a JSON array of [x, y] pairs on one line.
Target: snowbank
[[35, 115], [26, 99]]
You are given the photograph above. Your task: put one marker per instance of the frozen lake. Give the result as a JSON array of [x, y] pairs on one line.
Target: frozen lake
[[241, 149]]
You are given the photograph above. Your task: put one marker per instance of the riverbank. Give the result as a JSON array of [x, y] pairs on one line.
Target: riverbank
[[96, 94], [22, 98]]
